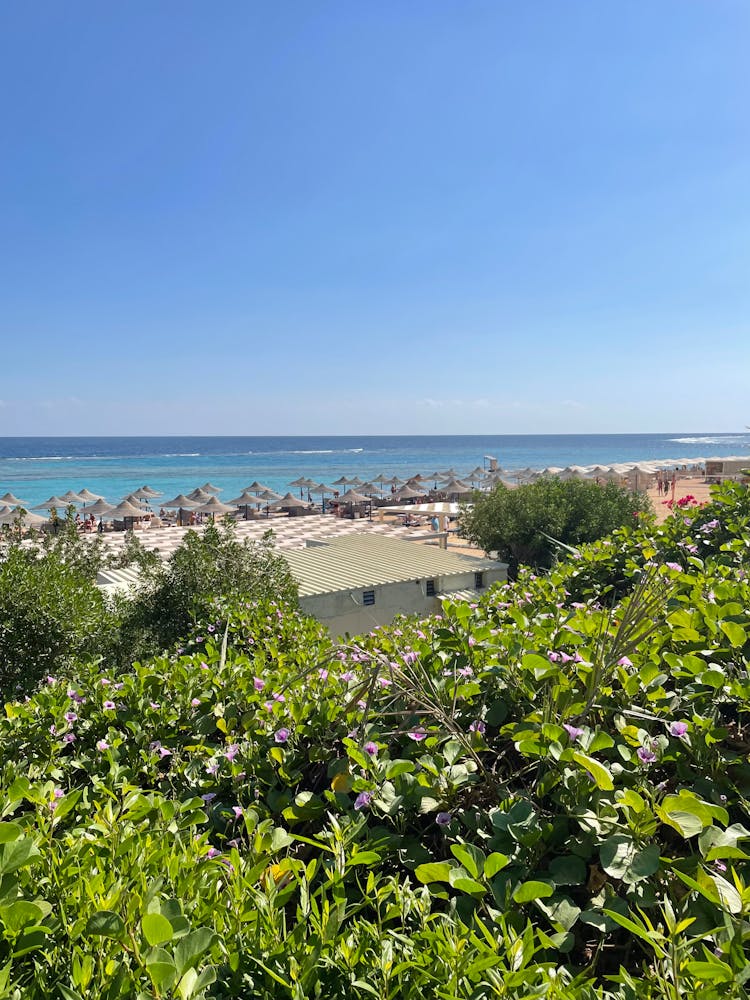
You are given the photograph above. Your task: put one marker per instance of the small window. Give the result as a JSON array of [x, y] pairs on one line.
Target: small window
[[478, 581], [430, 588], [368, 596]]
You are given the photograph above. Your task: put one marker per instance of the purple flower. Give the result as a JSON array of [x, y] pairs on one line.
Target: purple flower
[[443, 819], [466, 672], [163, 752], [279, 697], [646, 756], [238, 812], [624, 662], [102, 745], [51, 679], [232, 751], [720, 866], [678, 729], [154, 705], [417, 735], [258, 683], [211, 628], [371, 748], [208, 797], [552, 656], [281, 735], [384, 682], [58, 793], [573, 731], [195, 702], [323, 674], [674, 566], [472, 640], [212, 853], [212, 768], [109, 706], [347, 676], [363, 800], [478, 727], [69, 738], [53, 730]]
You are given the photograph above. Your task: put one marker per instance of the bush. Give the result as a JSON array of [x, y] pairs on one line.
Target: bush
[[51, 614], [515, 522], [205, 567]]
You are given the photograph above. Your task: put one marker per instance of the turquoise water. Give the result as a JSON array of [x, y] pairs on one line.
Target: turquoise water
[[35, 468]]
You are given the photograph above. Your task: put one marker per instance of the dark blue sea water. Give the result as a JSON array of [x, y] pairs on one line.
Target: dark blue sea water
[[35, 468]]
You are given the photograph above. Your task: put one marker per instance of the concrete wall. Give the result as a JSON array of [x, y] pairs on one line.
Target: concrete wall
[[344, 612]]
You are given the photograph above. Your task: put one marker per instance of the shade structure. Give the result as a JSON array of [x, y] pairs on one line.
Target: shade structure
[[268, 495], [371, 490], [382, 478], [141, 495], [394, 481], [341, 481], [12, 500], [99, 508], [355, 481], [180, 501], [88, 497], [408, 491], [448, 474], [210, 488], [22, 517], [289, 501], [123, 510], [454, 486], [71, 497], [214, 506], [200, 495], [351, 496], [257, 487], [137, 502], [246, 499], [300, 481], [149, 491], [321, 488], [51, 502], [5, 509]]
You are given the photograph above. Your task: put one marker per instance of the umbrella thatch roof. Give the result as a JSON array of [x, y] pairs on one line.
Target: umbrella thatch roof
[[200, 495], [290, 500], [12, 500], [124, 509], [100, 507], [88, 496], [51, 502], [180, 501], [454, 486], [21, 516], [215, 506], [257, 487], [149, 491], [351, 496], [71, 497], [408, 491], [210, 488]]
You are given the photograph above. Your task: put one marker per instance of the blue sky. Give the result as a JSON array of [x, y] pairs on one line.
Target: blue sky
[[478, 216]]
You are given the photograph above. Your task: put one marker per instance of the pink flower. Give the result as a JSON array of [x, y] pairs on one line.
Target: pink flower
[[371, 748], [363, 800], [70, 716], [258, 683], [573, 731], [195, 702], [417, 735], [674, 566], [102, 745], [281, 735], [232, 751], [154, 705], [347, 676], [69, 738], [163, 752], [51, 680], [212, 853], [238, 812], [478, 727], [323, 674], [678, 729], [646, 756], [212, 768], [109, 706], [624, 662]]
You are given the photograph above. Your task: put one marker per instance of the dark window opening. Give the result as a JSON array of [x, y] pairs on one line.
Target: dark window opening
[[478, 581], [368, 597], [430, 588]]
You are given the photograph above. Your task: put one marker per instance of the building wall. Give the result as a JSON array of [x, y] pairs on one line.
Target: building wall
[[344, 612]]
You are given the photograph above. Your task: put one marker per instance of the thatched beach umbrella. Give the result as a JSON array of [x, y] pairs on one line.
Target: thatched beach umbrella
[[288, 502], [210, 488], [408, 492], [56, 502], [71, 497], [257, 487], [126, 511], [200, 495], [180, 502], [246, 500], [9, 498], [213, 507], [88, 497], [21, 518]]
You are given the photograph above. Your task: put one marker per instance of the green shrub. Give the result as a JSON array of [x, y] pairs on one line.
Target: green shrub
[[520, 523], [206, 566], [51, 614]]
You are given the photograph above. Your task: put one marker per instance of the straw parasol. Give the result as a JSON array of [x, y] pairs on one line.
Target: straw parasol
[[351, 496], [149, 491], [88, 497], [100, 507], [289, 502], [406, 492], [341, 481], [454, 486], [182, 502], [214, 506], [257, 487], [12, 500], [125, 510], [210, 488], [200, 495], [21, 518], [71, 497], [51, 502]]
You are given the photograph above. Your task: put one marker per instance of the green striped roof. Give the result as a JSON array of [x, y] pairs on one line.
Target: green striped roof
[[357, 561]]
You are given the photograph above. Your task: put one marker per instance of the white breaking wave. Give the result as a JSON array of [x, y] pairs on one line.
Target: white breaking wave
[[717, 439]]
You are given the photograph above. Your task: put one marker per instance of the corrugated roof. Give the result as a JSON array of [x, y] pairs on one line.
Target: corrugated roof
[[356, 561]]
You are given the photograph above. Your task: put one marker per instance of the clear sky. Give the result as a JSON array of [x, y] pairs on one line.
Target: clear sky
[[402, 216]]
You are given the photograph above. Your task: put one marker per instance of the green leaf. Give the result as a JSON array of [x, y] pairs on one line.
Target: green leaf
[[17, 854], [156, 928], [434, 871], [495, 863], [105, 923], [616, 854], [735, 633], [470, 857], [527, 892], [568, 870], [9, 832], [711, 972], [468, 885], [192, 947], [596, 769]]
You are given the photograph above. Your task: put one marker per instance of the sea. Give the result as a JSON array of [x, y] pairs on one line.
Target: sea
[[34, 468]]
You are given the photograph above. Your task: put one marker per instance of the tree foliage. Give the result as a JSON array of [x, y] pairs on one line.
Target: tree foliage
[[516, 522], [207, 566]]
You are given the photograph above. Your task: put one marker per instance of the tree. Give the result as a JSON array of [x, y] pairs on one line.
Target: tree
[[214, 564], [515, 522]]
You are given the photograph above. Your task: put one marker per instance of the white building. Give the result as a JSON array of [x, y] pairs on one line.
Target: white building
[[354, 583]]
